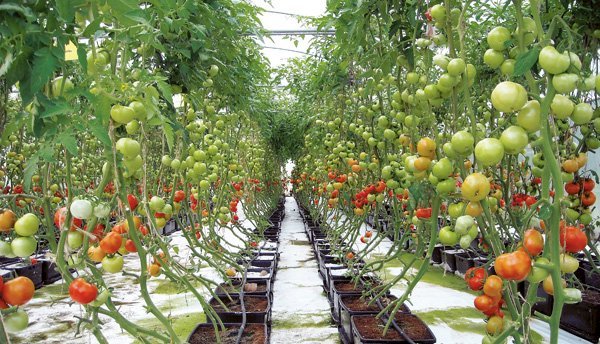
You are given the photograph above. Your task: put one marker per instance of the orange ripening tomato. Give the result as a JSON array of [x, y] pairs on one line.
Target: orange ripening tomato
[[111, 242], [493, 286], [484, 303], [533, 241], [513, 266]]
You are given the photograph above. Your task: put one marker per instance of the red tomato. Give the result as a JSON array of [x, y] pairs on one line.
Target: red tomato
[[18, 291], [424, 213], [588, 198], [179, 196], [513, 266], [588, 184], [572, 188], [133, 202], [111, 243], [130, 246], [533, 241], [572, 239], [475, 278], [82, 291]]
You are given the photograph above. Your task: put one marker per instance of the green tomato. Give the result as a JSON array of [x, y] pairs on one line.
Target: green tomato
[[582, 114], [508, 67], [128, 147], [57, 84], [568, 263], [514, 139], [456, 209], [552, 61], [489, 151], [529, 117], [449, 150], [157, 203], [442, 169], [101, 298], [16, 321], [23, 246], [122, 114], [465, 241], [456, 67], [6, 250], [562, 107], [448, 237], [497, 37], [446, 186], [565, 83], [112, 264], [438, 12], [139, 109], [493, 58], [213, 71], [508, 96], [27, 225], [74, 239], [538, 274], [463, 224], [462, 142]]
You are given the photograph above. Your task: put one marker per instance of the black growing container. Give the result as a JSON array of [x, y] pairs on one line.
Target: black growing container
[[204, 333], [590, 277], [392, 336], [236, 316], [50, 273], [7, 274], [224, 289], [449, 259], [464, 262], [346, 311], [583, 319], [31, 271], [436, 256]]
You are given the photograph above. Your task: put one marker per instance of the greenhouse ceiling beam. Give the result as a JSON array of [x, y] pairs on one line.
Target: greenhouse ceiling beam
[[296, 33]]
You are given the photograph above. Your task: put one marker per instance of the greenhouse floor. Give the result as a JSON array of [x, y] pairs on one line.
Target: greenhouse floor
[[301, 311]]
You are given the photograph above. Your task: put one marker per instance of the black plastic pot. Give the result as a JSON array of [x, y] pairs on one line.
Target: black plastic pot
[[50, 273], [233, 316], [481, 261], [583, 319], [392, 336], [590, 277], [336, 292], [346, 312], [463, 262], [170, 227], [224, 289], [449, 259], [7, 274], [436, 256], [31, 271], [204, 333]]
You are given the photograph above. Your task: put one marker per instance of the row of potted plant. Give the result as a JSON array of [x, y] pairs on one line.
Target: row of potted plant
[[356, 305], [242, 304]]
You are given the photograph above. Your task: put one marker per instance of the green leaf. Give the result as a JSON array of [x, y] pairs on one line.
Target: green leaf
[[169, 134], [44, 65], [92, 27], [16, 8], [120, 7], [100, 131], [526, 61], [46, 153], [30, 168], [52, 108], [69, 142], [165, 89], [82, 56], [66, 10]]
